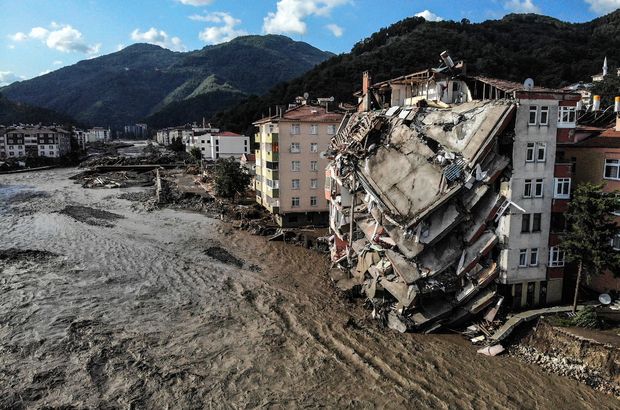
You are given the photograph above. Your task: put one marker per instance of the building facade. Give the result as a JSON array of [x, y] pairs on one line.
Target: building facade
[[290, 170], [36, 141]]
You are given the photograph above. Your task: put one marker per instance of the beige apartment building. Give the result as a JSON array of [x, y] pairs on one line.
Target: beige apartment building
[[290, 170]]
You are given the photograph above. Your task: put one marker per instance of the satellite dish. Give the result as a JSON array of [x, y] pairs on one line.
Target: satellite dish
[[528, 85], [306, 96], [605, 299]]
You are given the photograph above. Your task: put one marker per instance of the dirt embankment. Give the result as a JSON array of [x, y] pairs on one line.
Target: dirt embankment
[[574, 353]]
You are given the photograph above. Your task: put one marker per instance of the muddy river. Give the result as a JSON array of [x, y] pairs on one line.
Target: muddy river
[[106, 306]]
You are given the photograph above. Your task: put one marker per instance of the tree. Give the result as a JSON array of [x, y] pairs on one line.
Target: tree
[[230, 178], [177, 145], [608, 89], [591, 229], [195, 153]]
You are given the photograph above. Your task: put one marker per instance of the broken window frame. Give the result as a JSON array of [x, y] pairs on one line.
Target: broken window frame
[[544, 115], [533, 115], [556, 257], [534, 257], [612, 164], [523, 258], [536, 222], [562, 187], [525, 223]]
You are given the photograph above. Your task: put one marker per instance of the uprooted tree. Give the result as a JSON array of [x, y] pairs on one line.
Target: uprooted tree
[[590, 231], [230, 179]]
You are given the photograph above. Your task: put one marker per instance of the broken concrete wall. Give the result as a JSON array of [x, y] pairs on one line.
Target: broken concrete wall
[[425, 186]]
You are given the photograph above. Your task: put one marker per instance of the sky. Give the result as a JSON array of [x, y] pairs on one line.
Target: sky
[[39, 36]]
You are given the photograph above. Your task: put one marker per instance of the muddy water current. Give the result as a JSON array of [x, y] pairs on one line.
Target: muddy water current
[[122, 308]]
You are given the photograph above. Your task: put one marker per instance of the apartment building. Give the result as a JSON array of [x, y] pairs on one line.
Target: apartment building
[[99, 134], [36, 141], [290, 170]]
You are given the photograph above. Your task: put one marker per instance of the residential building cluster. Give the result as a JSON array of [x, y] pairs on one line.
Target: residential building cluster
[[212, 143], [446, 191], [34, 141]]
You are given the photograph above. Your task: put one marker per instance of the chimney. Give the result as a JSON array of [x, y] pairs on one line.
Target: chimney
[[617, 105], [366, 84], [596, 103]]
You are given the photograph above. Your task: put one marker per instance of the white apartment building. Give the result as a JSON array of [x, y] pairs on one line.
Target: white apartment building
[[99, 134], [36, 141]]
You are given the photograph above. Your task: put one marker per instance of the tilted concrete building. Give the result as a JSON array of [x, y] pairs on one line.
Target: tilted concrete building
[[444, 203]]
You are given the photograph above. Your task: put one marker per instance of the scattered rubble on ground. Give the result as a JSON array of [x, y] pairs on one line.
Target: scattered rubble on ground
[[114, 179], [416, 197], [91, 216], [222, 255]]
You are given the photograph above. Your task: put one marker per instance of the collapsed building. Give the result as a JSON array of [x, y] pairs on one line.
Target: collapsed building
[[441, 192]]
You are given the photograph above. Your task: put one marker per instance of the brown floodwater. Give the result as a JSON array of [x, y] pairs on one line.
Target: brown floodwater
[[123, 308]]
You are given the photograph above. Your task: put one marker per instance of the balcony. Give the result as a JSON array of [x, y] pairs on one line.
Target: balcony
[[271, 174], [273, 205], [272, 192], [271, 138], [270, 156]]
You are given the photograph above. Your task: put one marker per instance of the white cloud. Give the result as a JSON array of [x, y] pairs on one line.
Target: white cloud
[[59, 37], [44, 72], [521, 6], [57, 62], [429, 16], [603, 6], [226, 29], [196, 3], [7, 77], [119, 47], [290, 15], [158, 37], [19, 37], [336, 30]]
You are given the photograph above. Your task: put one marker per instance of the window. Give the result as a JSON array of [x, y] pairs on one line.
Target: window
[[295, 129], [295, 184], [612, 168], [295, 202], [314, 129], [534, 257], [562, 188], [529, 155], [11, 147], [615, 242], [533, 114], [556, 257], [295, 147], [566, 116], [527, 189], [523, 258], [525, 223], [538, 188], [50, 146], [541, 152], [544, 115], [314, 147], [314, 165], [536, 222], [313, 201], [314, 183], [295, 166], [331, 129]]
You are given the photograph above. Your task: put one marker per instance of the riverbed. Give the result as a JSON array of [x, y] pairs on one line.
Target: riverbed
[[104, 305]]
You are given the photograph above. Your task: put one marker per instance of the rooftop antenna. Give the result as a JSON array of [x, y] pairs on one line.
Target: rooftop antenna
[[528, 84]]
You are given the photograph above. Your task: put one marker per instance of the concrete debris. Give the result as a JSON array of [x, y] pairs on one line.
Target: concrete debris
[[491, 350], [421, 188]]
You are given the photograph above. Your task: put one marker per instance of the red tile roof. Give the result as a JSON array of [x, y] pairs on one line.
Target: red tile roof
[[305, 113], [227, 134]]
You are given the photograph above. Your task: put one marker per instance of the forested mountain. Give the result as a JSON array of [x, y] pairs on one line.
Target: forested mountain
[[516, 47], [127, 86], [14, 113]]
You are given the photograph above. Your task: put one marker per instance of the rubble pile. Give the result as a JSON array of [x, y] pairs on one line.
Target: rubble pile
[[115, 179], [416, 196]]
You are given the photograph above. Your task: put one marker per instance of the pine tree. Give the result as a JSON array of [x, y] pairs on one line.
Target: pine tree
[[591, 228]]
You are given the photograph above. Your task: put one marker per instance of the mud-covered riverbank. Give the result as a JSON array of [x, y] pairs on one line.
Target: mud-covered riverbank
[[137, 310]]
